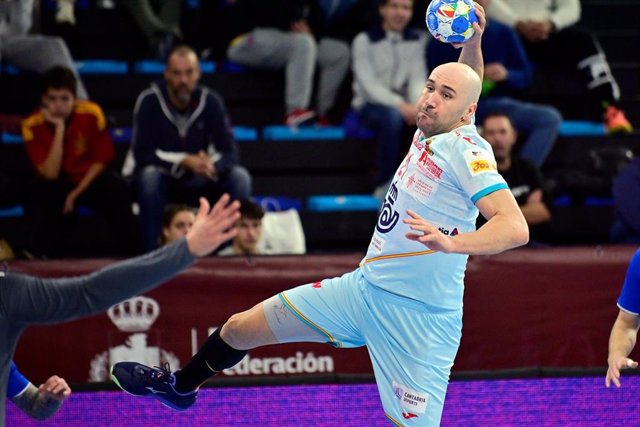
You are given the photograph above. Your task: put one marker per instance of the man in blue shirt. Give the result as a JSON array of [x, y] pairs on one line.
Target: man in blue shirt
[[625, 329]]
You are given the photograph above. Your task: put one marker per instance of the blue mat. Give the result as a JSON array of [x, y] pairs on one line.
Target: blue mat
[[245, 133], [102, 66], [581, 128], [11, 138], [353, 202], [12, 212], [152, 66], [303, 133]]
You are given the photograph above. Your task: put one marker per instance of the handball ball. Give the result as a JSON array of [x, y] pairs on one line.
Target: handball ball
[[451, 21]]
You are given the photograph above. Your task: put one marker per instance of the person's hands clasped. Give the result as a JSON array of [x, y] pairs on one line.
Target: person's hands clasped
[[427, 233], [200, 164]]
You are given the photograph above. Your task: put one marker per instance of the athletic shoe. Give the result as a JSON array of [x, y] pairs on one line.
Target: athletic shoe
[[140, 380], [615, 121], [299, 116]]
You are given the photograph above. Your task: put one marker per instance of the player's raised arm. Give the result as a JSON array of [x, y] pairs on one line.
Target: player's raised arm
[[471, 53]]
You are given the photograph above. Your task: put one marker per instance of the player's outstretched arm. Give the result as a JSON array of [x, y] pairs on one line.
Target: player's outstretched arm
[[471, 53], [621, 342]]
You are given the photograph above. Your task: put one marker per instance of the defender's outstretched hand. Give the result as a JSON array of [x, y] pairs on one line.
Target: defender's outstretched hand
[[213, 227]]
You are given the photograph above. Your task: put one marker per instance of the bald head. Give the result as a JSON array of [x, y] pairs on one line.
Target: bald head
[[466, 81]]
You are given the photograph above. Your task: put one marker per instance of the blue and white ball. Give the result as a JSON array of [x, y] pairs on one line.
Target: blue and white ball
[[451, 21]]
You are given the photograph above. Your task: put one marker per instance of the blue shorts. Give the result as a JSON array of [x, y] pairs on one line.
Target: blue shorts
[[411, 345]]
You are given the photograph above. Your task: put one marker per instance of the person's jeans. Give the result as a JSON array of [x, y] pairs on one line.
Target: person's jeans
[[155, 187], [537, 124], [388, 125]]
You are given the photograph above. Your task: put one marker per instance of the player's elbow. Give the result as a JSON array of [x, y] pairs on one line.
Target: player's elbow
[[520, 235]]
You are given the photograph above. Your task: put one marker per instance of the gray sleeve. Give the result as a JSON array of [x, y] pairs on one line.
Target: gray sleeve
[[366, 76], [28, 299]]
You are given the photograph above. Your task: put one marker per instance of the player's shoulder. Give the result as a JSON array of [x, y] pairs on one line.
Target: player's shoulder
[[474, 149], [467, 138]]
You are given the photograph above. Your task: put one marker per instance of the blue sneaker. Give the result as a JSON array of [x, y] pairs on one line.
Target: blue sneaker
[[140, 380]]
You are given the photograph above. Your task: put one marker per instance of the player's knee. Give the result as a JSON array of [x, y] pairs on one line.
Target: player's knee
[[233, 331]]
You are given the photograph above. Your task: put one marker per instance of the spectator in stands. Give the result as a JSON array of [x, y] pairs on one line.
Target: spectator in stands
[[274, 34], [522, 177], [177, 221], [389, 73], [249, 228], [507, 72], [37, 402], [183, 145], [31, 52], [70, 148], [550, 35], [626, 224], [161, 28], [625, 329], [334, 24]]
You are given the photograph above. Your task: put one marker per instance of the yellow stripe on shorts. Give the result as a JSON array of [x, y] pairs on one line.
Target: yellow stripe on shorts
[[308, 321], [391, 256]]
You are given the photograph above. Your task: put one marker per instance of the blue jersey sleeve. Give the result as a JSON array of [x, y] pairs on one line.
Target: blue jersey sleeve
[[629, 300], [17, 382]]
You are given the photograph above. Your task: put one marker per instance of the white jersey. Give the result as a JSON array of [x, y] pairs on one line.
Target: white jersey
[[441, 178]]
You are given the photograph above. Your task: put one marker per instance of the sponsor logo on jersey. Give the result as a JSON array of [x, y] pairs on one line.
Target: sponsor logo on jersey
[[479, 161], [469, 140], [428, 166], [479, 166], [447, 232], [408, 415], [413, 401], [388, 217]]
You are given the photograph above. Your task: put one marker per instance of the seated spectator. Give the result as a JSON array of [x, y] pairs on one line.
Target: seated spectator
[[626, 223], [274, 34], [507, 72], [177, 222], [389, 73], [523, 178], [182, 146], [32, 52], [550, 35], [161, 28], [334, 24], [70, 147], [249, 231], [37, 402]]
